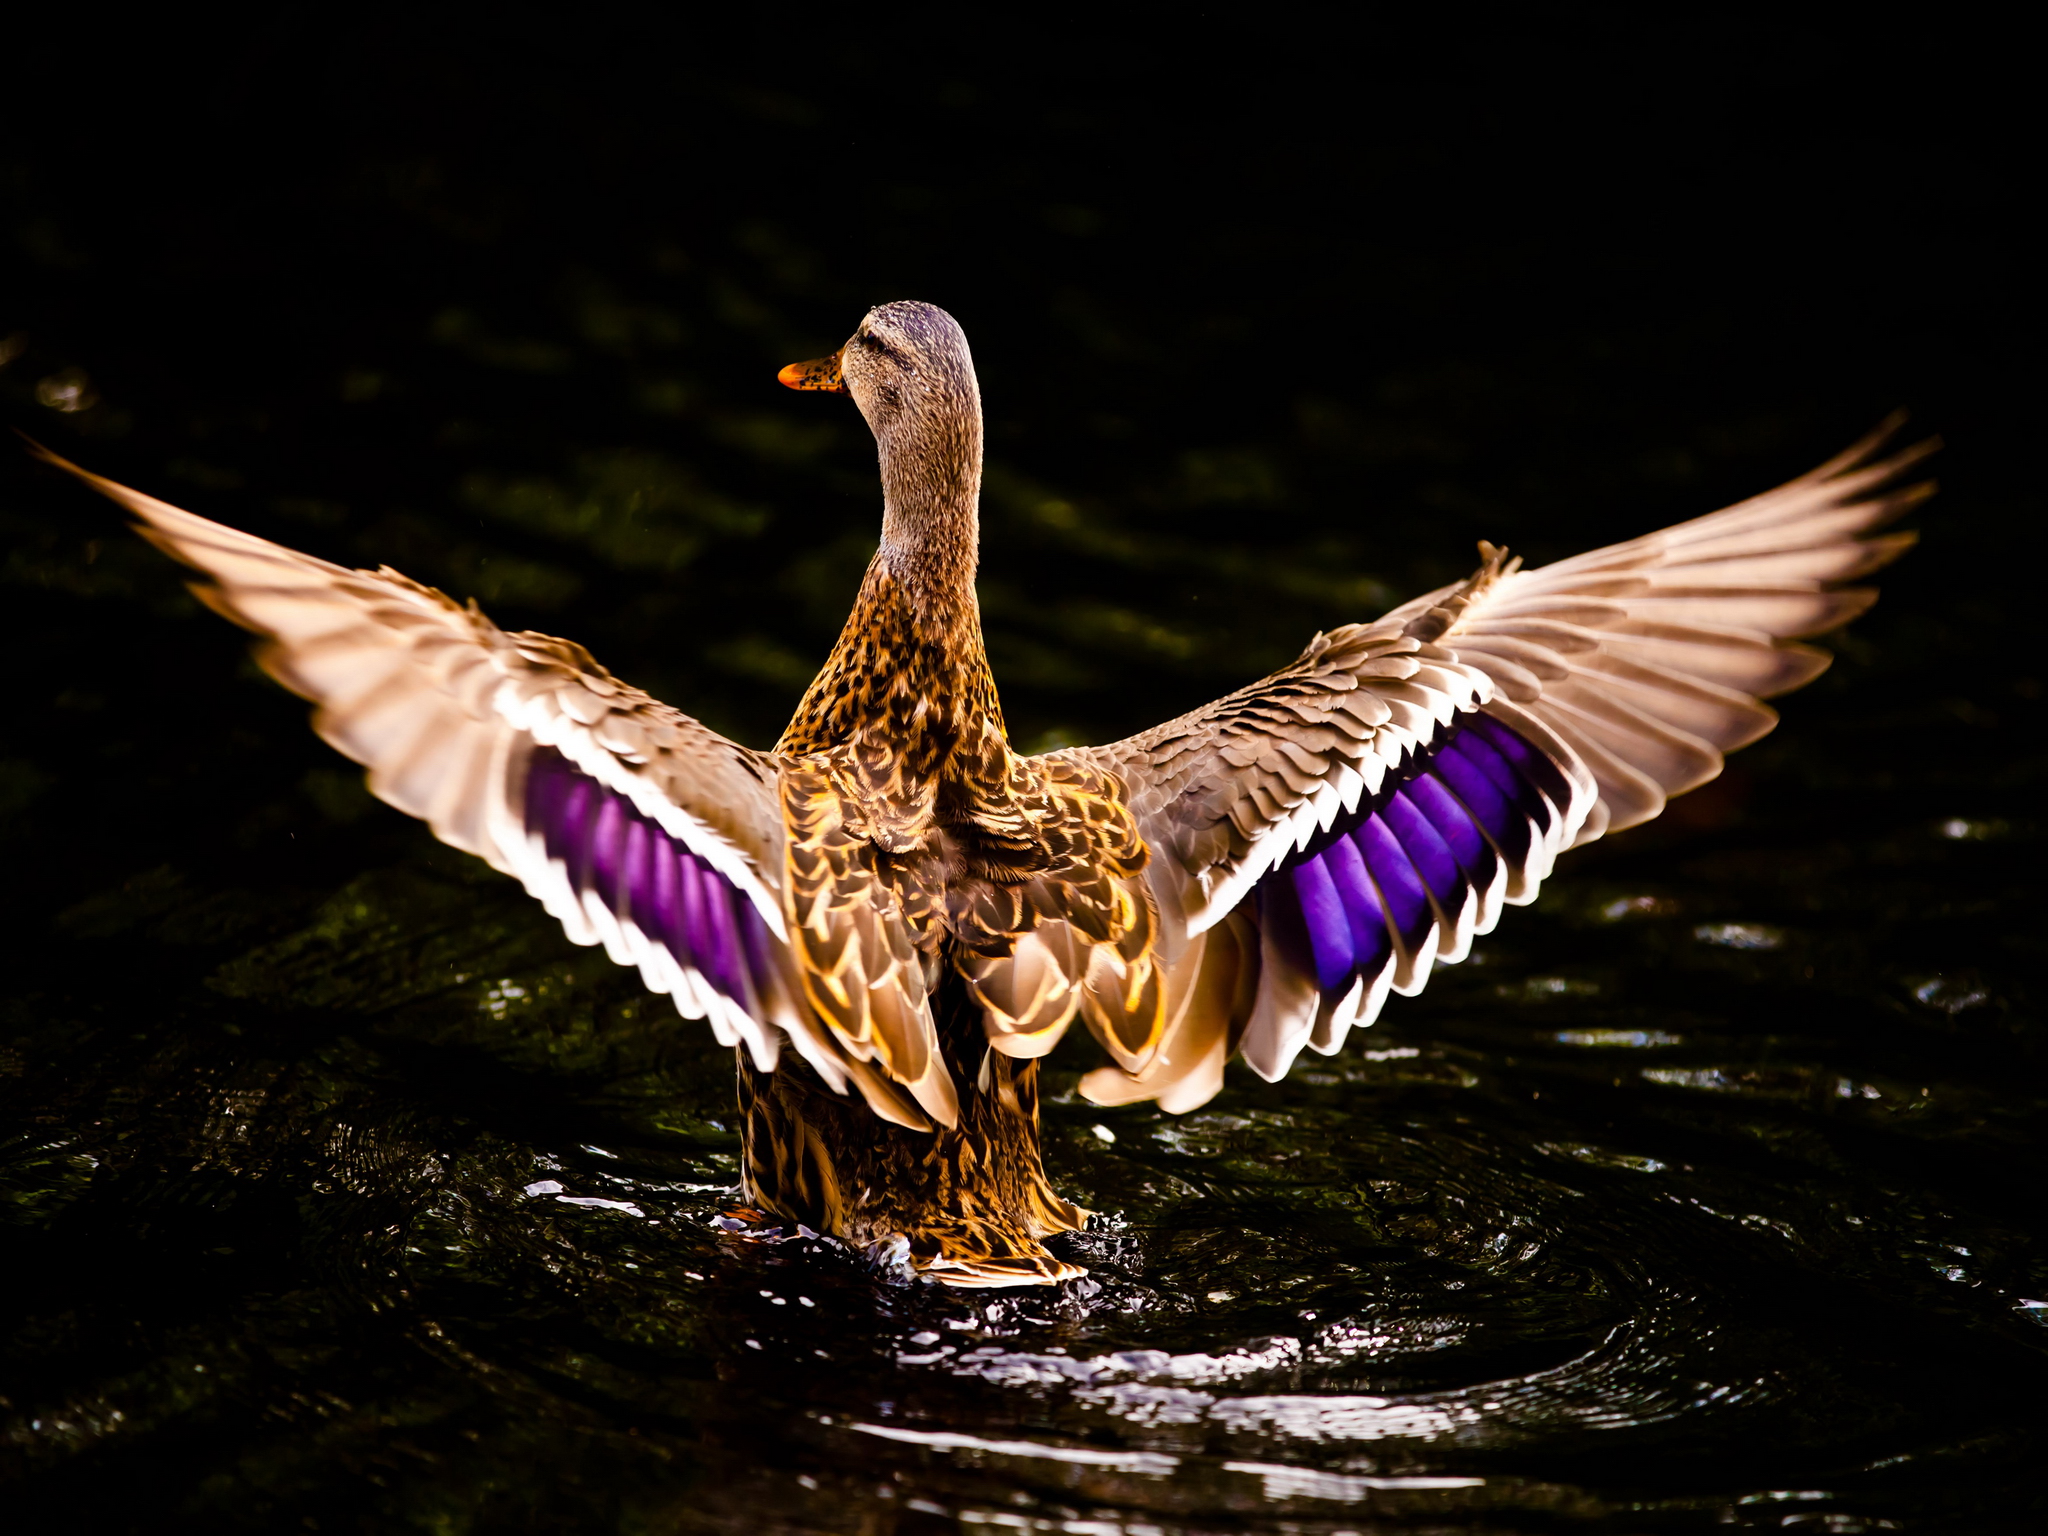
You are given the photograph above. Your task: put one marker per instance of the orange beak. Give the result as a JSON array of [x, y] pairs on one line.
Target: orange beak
[[818, 373]]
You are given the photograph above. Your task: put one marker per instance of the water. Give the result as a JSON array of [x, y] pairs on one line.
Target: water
[[342, 1194]]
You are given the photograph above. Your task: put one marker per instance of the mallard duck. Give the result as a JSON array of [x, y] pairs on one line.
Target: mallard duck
[[891, 915]]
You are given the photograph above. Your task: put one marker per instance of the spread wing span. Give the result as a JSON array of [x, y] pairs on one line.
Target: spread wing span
[[636, 826], [1324, 836]]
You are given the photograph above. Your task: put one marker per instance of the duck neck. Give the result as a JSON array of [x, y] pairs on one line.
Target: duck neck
[[931, 521], [909, 672]]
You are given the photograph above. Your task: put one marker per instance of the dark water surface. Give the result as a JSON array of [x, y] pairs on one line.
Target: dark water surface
[[340, 1193]]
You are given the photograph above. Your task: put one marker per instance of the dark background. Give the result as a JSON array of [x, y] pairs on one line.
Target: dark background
[[1272, 324]]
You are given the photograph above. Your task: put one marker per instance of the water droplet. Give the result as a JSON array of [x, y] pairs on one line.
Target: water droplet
[[1740, 935], [1963, 830]]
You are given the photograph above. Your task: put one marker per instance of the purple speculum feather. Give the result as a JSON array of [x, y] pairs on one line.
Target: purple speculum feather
[[1442, 821], [610, 848]]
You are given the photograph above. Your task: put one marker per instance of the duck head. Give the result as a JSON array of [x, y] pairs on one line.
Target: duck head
[[908, 368]]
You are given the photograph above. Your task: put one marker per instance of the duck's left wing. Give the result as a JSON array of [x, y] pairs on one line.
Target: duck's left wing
[[635, 825], [1322, 837]]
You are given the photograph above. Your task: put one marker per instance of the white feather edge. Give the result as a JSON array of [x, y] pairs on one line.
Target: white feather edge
[[587, 920], [1430, 698], [551, 727], [1283, 1013], [1285, 1010], [497, 833]]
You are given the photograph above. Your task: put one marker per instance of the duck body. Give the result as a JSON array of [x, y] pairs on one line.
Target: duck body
[[919, 841], [892, 916]]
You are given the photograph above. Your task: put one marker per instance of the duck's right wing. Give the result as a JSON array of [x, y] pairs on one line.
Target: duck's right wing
[[1323, 836], [636, 826]]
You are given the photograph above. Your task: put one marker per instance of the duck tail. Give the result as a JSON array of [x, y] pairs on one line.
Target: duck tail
[[983, 1255]]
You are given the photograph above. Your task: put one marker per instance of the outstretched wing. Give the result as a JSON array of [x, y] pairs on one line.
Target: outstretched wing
[[1324, 836], [636, 826]]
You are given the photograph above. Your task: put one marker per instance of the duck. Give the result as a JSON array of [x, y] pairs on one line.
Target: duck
[[891, 916]]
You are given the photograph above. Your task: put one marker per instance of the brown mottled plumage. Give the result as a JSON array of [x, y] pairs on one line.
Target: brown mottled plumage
[[949, 901], [920, 913]]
